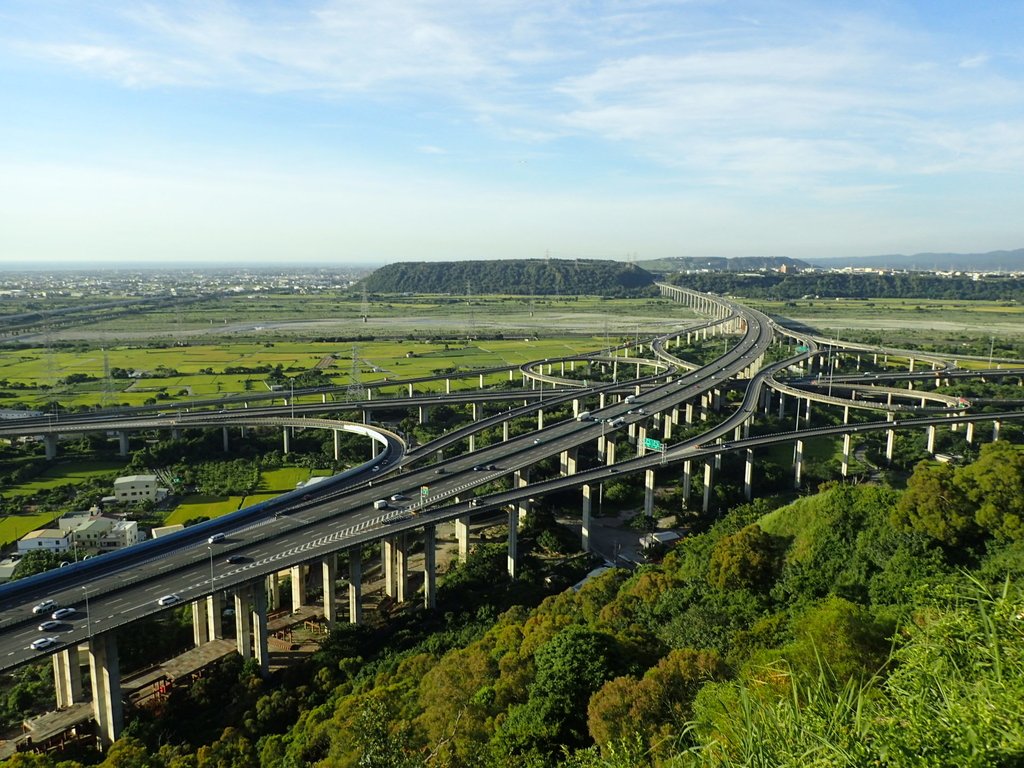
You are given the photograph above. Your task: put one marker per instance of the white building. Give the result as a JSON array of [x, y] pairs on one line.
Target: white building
[[102, 534], [47, 539], [138, 488]]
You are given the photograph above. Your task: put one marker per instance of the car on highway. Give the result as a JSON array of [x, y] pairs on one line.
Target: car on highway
[[537, 441], [440, 471], [49, 626], [44, 606], [399, 497], [235, 559], [480, 468], [62, 613], [170, 599], [43, 642]]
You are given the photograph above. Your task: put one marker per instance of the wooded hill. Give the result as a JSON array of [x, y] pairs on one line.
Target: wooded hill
[[518, 276]]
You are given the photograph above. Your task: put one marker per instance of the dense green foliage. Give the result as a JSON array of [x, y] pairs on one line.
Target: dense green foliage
[[918, 285], [516, 276]]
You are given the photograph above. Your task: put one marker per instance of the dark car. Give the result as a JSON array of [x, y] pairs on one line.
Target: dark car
[[235, 559]]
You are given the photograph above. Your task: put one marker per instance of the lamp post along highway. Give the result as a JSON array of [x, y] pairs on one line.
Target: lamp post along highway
[[211, 566], [88, 616]]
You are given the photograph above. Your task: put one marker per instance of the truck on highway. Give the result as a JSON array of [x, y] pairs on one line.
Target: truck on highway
[[629, 399], [380, 504], [616, 423], [583, 416]]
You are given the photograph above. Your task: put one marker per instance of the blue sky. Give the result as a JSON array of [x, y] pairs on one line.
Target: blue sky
[[342, 132]]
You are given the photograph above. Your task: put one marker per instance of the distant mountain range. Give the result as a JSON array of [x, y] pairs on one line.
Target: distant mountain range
[[1007, 261]]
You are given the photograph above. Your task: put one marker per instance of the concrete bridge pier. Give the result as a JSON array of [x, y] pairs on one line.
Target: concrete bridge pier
[[243, 627], [569, 461], [782, 404], [704, 407], [890, 439], [224, 439], [258, 620], [299, 573], [67, 677], [931, 440], [970, 433], [50, 444], [807, 412], [410, 391], [687, 466], [387, 557], [748, 475], [649, 492], [355, 585], [447, 386], [200, 622], [504, 431], [689, 412], [401, 567], [846, 414], [586, 515], [709, 479], [424, 413], [846, 454], [481, 381], [122, 443], [430, 567], [337, 444], [329, 574], [798, 464], [609, 452], [540, 419], [273, 593], [287, 436], [666, 432], [105, 671], [995, 431], [521, 479], [641, 439], [513, 542], [462, 536]]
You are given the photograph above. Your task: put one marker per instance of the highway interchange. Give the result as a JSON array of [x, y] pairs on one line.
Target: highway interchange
[[341, 515]]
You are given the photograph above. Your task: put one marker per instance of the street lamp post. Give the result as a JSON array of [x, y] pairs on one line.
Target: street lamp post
[[211, 566], [88, 615]]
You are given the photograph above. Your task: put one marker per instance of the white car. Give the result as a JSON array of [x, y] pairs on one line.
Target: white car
[[44, 607], [170, 599], [62, 613], [49, 626], [43, 642]]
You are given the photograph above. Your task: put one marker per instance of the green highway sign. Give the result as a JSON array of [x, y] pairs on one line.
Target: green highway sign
[[802, 348], [424, 490], [652, 444]]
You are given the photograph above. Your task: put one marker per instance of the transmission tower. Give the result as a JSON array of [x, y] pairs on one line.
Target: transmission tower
[[108, 383], [355, 386], [366, 306]]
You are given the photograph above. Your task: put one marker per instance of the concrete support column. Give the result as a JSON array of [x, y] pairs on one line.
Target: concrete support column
[[609, 452], [704, 407], [970, 432], [355, 585], [122, 443], [337, 444], [374, 448], [224, 439], [104, 669], [472, 442], [641, 439], [540, 419], [274, 591], [687, 466], [387, 557], [748, 475], [424, 413], [329, 571], [447, 386], [798, 463], [890, 437], [504, 431], [782, 404], [649, 492], [568, 461], [575, 407], [807, 413], [481, 383], [847, 439], [287, 439], [513, 542], [462, 536], [298, 579], [258, 620], [689, 412], [50, 443], [243, 627], [995, 431], [586, 514], [430, 567], [931, 440], [474, 409], [666, 432], [709, 479], [521, 479], [401, 567], [214, 607], [67, 677], [200, 624]]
